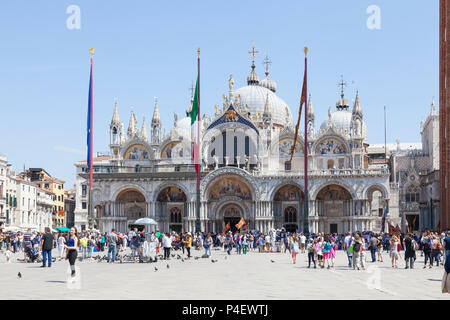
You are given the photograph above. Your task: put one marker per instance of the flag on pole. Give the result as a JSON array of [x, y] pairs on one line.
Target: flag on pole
[[383, 220], [89, 123], [194, 111], [195, 117], [302, 101], [240, 223]]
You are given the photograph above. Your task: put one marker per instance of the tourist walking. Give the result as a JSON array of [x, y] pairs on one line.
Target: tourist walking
[[394, 251], [373, 246], [208, 244], [167, 244], [295, 249], [380, 249], [427, 243], [311, 249], [356, 252], [46, 247], [302, 243], [410, 251], [61, 244], [326, 247], [111, 241], [72, 249], [348, 241]]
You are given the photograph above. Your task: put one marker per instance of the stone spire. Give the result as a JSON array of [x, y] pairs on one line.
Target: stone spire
[[115, 118], [433, 108], [267, 106], [132, 126], [156, 118], [310, 111], [357, 106], [156, 124], [144, 129]]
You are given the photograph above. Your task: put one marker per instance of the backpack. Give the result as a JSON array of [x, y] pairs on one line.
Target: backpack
[[356, 247], [327, 246]]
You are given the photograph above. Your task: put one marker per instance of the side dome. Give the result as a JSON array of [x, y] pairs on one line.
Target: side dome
[[269, 84], [255, 97]]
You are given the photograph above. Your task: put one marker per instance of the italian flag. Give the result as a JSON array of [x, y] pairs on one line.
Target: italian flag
[[195, 117]]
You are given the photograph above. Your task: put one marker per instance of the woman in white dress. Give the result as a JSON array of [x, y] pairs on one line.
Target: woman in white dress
[[61, 243]]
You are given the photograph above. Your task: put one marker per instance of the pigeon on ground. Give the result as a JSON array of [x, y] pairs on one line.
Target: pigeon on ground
[[178, 256], [213, 261], [19, 275], [272, 261], [182, 260], [196, 258], [156, 269], [172, 255], [168, 266]]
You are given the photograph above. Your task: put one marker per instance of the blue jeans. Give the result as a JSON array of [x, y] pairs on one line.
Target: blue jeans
[[208, 251], [46, 253], [238, 248], [112, 248], [350, 258], [230, 247], [373, 250]]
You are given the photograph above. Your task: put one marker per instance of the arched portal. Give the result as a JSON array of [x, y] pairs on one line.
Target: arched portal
[[333, 205], [288, 207], [133, 203], [170, 207], [228, 194]]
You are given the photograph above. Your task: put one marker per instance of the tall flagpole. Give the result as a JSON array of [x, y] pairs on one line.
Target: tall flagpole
[[91, 171], [198, 225], [306, 202]]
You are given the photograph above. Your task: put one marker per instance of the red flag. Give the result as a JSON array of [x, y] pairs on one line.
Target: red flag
[[390, 228], [240, 223], [302, 101]]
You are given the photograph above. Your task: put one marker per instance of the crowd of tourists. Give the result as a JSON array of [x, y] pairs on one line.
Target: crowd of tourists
[[320, 248]]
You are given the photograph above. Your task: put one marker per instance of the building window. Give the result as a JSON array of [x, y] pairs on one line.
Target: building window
[[235, 150], [46, 186], [247, 146], [412, 194], [83, 190], [83, 205], [224, 144]]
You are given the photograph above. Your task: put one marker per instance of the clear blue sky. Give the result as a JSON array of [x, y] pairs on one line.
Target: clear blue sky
[[147, 48]]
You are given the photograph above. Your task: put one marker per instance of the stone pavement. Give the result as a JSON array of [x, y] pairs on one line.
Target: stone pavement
[[251, 276]]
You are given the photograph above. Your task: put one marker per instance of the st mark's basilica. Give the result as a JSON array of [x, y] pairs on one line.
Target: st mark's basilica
[[245, 146]]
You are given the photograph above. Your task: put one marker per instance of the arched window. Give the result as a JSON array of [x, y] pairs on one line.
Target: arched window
[[175, 215], [247, 146], [412, 193], [290, 215]]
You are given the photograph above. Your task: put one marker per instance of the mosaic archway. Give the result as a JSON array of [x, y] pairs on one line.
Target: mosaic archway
[[137, 152], [333, 201]]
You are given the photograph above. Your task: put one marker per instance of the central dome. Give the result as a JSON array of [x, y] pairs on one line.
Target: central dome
[[255, 97]]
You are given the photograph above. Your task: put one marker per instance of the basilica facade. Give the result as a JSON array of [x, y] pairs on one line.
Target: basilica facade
[[245, 172]]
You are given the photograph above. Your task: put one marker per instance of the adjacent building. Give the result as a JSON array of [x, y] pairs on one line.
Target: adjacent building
[[444, 115], [56, 186]]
